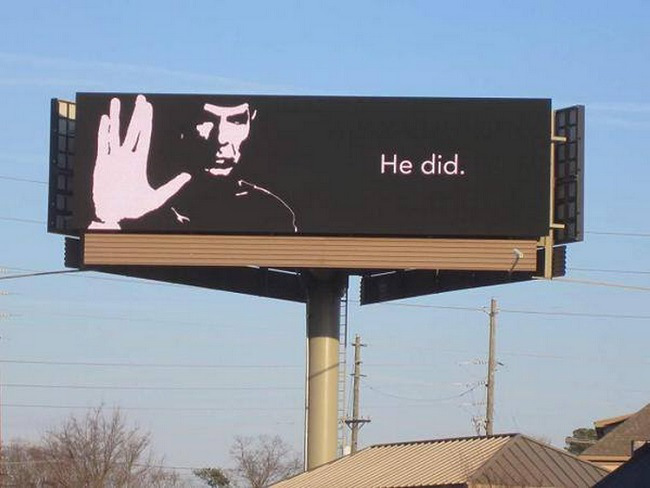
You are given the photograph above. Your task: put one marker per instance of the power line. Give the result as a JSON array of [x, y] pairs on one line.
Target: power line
[[151, 365], [149, 388], [428, 400], [408, 305], [603, 233], [25, 221], [207, 409], [126, 318], [440, 307], [575, 314], [161, 409], [61, 461], [598, 359], [413, 305], [617, 271], [91, 277], [505, 310], [532, 312], [189, 366], [22, 180], [604, 283], [617, 233], [149, 282], [201, 409], [40, 273], [295, 366], [40, 182], [421, 305]]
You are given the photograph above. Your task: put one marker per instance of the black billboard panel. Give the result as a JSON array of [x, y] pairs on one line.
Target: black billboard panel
[[570, 174], [395, 285], [262, 282], [312, 165]]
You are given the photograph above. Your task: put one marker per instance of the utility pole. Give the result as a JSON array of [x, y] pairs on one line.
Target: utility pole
[[489, 413], [356, 422], [2, 464]]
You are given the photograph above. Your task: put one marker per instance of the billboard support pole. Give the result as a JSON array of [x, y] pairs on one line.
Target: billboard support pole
[[324, 291]]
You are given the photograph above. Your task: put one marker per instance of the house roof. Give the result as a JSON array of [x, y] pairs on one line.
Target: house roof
[[506, 460], [633, 474], [599, 424], [618, 441]]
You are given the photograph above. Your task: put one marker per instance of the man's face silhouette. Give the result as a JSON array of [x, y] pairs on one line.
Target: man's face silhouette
[[225, 129]]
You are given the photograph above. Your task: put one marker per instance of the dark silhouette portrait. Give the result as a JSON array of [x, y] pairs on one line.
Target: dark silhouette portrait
[[207, 190]]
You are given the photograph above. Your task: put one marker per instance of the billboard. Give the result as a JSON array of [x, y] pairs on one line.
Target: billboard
[[330, 166]]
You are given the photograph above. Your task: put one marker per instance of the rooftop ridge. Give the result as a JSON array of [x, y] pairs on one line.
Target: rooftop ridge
[[449, 439]]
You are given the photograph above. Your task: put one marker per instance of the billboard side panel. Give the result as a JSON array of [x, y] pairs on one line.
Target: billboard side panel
[[570, 174], [60, 216]]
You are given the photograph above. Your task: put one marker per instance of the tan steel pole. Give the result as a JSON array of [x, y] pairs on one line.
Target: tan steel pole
[[324, 292]]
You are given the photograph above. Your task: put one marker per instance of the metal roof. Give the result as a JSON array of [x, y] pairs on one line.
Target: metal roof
[[507, 460], [525, 462]]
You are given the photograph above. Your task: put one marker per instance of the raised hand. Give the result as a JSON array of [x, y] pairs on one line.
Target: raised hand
[[121, 189]]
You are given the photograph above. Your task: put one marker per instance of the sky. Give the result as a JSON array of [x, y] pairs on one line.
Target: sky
[[197, 367]]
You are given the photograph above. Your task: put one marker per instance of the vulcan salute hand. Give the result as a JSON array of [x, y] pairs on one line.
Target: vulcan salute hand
[[121, 189]]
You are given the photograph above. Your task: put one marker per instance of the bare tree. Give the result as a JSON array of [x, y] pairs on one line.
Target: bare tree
[[262, 460], [95, 451], [22, 465]]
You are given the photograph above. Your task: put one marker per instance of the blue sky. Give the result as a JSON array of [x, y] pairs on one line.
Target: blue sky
[[560, 371]]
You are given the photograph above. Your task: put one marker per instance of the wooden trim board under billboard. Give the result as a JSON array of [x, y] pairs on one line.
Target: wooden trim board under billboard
[[310, 252]]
